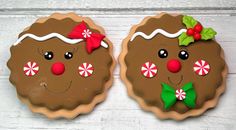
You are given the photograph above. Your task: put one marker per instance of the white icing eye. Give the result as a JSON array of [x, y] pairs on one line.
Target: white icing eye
[[149, 70], [201, 67], [31, 68], [86, 69]]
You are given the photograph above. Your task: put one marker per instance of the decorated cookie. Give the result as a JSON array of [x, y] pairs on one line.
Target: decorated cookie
[[172, 66], [62, 65]]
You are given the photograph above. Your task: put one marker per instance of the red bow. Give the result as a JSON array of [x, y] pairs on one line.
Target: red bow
[[93, 40]]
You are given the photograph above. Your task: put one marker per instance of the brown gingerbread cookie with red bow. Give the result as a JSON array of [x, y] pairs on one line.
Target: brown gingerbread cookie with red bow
[[172, 66], [62, 65]]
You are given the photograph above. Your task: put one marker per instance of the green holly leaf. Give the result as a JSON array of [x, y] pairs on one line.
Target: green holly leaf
[[185, 40], [189, 21], [207, 33]]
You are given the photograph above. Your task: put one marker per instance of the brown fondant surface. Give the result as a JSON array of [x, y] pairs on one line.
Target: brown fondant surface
[[66, 91], [141, 50]]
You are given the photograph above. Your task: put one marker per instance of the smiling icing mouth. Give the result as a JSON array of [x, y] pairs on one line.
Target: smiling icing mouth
[[176, 83], [44, 84]]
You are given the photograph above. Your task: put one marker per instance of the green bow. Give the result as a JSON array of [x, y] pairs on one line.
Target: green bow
[[169, 98]]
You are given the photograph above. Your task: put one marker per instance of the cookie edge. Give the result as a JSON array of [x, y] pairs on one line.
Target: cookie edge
[[81, 109], [157, 111]]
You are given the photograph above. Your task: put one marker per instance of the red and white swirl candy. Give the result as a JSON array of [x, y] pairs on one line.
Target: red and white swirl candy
[[31, 68], [149, 69], [180, 94], [86, 69], [201, 67]]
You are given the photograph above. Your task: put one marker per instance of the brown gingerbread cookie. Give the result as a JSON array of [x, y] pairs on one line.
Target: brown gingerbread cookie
[[172, 66], [62, 65]]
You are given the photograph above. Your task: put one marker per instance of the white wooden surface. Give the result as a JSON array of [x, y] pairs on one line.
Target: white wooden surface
[[118, 112]]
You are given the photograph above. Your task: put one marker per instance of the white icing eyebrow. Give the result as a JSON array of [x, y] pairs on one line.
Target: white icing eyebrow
[[51, 35], [154, 33]]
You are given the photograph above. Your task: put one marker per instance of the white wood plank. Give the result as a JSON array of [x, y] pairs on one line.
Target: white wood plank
[[117, 28], [118, 112], [116, 4]]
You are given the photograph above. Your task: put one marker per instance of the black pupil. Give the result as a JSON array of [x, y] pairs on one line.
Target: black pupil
[[68, 55], [48, 55], [183, 55], [162, 53]]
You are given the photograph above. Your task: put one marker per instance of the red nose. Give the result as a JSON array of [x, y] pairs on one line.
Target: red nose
[[174, 65], [58, 68]]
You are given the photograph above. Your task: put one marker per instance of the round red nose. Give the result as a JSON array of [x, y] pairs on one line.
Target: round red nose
[[174, 65], [58, 68]]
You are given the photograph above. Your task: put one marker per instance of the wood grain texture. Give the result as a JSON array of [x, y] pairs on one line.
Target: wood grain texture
[[116, 4], [118, 112]]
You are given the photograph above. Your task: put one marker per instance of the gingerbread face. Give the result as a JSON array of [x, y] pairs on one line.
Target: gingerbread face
[[170, 76], [56, 70]]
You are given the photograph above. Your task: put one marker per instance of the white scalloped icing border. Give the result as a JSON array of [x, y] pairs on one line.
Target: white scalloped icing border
[[158, 31], [51, 35]]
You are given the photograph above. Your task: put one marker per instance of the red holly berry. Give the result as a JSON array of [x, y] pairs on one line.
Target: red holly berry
[[190, 31], [197, 36], [198, 28]]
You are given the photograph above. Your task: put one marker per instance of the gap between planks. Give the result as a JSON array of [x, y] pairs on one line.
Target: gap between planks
[[125, 12]]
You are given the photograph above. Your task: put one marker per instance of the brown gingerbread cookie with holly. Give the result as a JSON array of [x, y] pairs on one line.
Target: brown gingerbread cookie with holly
[[172, 66], [62, 65]]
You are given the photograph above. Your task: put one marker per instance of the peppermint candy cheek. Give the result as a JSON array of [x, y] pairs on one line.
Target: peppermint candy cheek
[[86, 69], [201, 67], [31, 68], [149, 70]]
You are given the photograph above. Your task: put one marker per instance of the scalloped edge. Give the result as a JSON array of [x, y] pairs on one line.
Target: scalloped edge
[[157, 111], [81, 109]]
